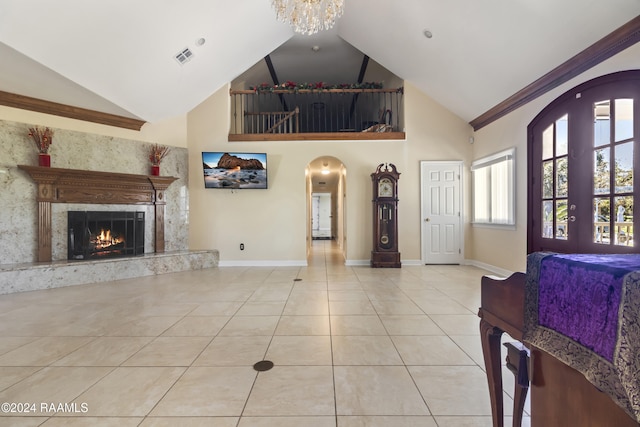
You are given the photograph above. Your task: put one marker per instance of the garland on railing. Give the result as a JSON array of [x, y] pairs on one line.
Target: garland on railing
[[294, 87]]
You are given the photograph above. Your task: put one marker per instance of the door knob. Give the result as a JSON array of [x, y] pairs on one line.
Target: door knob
[[572, 218], [427, 220]]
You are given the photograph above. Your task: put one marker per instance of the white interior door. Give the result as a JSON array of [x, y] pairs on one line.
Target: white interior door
[[321, 216], [441, 212]]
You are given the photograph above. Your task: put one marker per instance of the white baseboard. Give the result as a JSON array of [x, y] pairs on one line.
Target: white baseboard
[[492, 268]]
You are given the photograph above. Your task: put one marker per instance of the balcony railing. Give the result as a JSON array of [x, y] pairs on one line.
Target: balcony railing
[[316, 114]]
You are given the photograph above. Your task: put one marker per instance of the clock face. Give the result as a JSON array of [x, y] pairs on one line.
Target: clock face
[[385, 188]]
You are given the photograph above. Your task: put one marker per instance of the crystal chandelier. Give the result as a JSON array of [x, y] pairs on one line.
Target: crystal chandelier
[[309, 16]]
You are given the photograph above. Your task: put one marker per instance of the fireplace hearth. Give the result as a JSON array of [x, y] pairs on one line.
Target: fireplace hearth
[[104, 234]]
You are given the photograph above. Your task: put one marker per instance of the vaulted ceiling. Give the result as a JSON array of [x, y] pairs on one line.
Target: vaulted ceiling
[[118, 56]]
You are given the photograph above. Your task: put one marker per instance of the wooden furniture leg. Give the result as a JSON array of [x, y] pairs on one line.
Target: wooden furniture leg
[[490, 338], [518, 363]]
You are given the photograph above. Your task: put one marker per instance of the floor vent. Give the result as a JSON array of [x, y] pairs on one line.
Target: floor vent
[[263, 365]]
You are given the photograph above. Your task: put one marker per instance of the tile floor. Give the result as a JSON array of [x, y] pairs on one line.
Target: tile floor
[[352, 347]]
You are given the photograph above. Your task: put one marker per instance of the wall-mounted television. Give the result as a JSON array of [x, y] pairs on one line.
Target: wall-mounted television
[[234, 170]]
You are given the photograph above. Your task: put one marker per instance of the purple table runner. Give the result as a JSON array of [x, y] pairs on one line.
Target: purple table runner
[[584, 310], [579, 296]]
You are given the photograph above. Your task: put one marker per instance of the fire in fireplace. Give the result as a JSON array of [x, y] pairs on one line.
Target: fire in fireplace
[[104, 234]]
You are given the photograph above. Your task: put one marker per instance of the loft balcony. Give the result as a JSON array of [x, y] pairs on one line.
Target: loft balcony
[[316, 114]]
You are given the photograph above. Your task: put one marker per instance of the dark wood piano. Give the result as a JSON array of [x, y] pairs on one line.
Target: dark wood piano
[[560, 395]]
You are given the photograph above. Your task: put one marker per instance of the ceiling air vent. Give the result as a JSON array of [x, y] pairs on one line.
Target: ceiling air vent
[[184, 56]]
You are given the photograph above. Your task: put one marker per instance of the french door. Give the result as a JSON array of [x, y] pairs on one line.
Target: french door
[[583, 162]]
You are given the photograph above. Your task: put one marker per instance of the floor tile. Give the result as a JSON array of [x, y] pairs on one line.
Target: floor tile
[[234, 351], [472, 346], [270, 293], [364, 350], [217, 308], [190, 422], [318, 306], [250, 326], [303, 325], [357, 325], [93, 421], [145, 327], [104, 351], [12, 375], [208, 391], [129, 391], [377, 390], [430, 350], [261, 308], [396, 307], [169, 351], [292, 390], [197, 326], [351, 307], [288, 422], [386, 421], [457, 324], [418, 324], [43, 351], [53, 385], [300, 350], [453, 390], [22, 421], [12, 343]]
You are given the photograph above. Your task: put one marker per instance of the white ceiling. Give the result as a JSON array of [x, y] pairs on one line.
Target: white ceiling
[[117, 56]]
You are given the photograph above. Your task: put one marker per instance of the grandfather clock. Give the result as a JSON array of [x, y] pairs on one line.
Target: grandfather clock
[[385, 217]]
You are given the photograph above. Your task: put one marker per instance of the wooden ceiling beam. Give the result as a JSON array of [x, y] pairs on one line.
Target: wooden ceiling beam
[[56, 109]]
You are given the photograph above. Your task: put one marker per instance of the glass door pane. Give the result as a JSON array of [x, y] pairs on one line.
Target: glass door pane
[[555, 180], [613, 173], [624, 119], [624, 221]]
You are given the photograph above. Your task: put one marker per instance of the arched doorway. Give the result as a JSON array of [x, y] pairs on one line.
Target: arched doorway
[[326, 196]]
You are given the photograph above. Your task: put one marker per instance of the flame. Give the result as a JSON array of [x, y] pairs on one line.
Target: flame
[[105, 239], [105, 236]]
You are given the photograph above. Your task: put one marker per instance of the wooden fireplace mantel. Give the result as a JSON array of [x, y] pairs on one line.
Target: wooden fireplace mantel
[[56, 185]]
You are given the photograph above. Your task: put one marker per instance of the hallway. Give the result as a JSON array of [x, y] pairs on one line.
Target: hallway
[[351, 347]]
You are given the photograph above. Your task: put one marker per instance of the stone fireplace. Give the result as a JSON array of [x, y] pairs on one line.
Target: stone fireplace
[[35, 202], [104, 234], [92, 187]]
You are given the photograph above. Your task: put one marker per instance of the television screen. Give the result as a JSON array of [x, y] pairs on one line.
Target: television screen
[[234, 170]]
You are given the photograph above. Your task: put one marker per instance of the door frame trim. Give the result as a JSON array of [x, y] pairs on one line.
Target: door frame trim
[[460, 165]]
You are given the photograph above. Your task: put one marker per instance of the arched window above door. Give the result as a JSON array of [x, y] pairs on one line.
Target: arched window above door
[[583, 161]]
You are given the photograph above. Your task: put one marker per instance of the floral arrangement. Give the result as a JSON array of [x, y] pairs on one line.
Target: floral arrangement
[[42, 137], [157, 153], [294, 87]]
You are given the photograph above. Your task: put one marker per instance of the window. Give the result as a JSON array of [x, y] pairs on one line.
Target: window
[[493, 180]]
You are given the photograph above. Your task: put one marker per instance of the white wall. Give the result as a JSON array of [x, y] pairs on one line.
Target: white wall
[[507, 249], [273, 223]]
